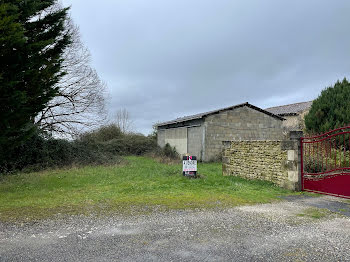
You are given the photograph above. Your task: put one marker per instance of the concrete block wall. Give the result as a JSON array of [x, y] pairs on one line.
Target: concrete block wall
[[274, 161], [242, 123]]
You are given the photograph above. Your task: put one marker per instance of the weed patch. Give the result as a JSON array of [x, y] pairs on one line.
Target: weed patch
[[315, 213]]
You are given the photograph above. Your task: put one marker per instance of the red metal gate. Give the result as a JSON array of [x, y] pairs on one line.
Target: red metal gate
[[325, 163]]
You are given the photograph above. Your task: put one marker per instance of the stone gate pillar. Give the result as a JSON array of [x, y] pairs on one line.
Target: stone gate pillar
[[293, 165]]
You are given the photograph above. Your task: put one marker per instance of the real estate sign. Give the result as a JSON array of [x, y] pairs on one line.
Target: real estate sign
[[189, 166]]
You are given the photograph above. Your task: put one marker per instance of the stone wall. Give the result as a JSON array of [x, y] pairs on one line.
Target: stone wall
[[242, 123], [275, 161]]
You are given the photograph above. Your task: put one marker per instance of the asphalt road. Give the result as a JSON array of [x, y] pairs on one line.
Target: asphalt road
[[269, 232]]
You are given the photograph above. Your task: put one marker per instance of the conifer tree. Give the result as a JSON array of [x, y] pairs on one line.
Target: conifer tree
[[331, 109], [32, 41]]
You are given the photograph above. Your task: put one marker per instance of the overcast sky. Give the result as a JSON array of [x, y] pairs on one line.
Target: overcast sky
[[164, 59]]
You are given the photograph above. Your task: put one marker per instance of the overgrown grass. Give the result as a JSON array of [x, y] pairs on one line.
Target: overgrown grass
[[140, 185]]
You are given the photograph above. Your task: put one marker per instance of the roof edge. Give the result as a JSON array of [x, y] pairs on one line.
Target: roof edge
[[288, 114], [265, 112], [200, 116], [298, 103]]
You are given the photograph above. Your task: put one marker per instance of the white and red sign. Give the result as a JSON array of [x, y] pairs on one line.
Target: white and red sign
[[189, 164]]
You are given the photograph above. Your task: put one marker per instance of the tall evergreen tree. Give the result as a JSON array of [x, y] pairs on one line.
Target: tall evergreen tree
[[32, 41], [331, 109]]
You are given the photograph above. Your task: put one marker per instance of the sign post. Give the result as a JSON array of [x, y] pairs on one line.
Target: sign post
[[189, 166]]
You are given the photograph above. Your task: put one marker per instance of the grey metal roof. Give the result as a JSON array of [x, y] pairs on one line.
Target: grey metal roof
[[201, 115], [291, 109]]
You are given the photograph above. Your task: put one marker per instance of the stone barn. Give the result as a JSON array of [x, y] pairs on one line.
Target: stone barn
[[202, 134], [293, 114]]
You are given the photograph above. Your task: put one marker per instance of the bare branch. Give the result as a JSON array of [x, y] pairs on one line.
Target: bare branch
[[80, 102], [123, 121]]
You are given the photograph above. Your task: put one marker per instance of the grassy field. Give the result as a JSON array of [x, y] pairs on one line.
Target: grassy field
[[139, 185]]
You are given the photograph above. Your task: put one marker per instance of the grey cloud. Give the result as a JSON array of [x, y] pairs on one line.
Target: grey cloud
[[164, 59]]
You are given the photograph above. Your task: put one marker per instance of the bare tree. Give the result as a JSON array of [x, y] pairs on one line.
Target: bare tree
[[80, 102], [123, 121]]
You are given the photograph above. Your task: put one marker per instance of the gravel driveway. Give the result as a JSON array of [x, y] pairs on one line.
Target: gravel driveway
[[269, 232]]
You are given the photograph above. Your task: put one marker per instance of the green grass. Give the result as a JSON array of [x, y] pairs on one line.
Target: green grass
[[315, 213], [140, 185]]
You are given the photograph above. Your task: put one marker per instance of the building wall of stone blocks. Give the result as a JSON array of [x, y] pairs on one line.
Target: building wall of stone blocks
[[292, 122], [274, 161], [295, 122], [239, 124]]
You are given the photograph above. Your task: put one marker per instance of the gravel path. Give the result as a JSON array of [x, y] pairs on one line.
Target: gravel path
[[268, 232]]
